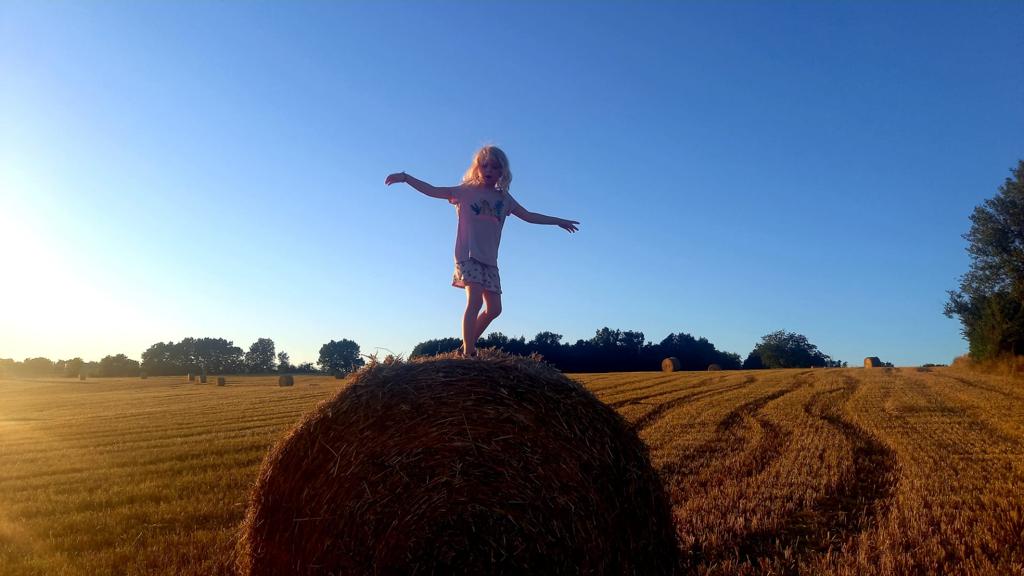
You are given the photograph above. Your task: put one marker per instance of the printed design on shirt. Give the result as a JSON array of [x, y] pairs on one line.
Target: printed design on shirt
[[485, 210]]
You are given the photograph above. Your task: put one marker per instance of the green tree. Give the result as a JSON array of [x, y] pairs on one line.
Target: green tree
[[783, 349], [284, 362], [436, 346], [73, 367], [260, 357], [218, 355], [990, 300], [546, 340], [693, 353], [503, 342], [753, 361], [119, 365], [37, 367], [339, 357]]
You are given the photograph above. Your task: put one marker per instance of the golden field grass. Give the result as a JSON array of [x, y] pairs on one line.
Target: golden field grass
[[842, 471]]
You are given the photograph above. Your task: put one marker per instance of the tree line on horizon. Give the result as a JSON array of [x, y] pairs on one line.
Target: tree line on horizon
[[193, 356], [609, 350]]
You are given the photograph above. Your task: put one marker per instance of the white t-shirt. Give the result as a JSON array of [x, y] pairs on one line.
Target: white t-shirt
[[482, 214]]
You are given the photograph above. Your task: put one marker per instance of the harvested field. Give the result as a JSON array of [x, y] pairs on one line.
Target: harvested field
[[840, 471]]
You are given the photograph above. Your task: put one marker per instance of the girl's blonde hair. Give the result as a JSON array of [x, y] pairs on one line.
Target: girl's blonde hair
[[475, 176]]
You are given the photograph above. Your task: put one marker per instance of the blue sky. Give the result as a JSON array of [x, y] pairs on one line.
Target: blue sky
[[174, 169]]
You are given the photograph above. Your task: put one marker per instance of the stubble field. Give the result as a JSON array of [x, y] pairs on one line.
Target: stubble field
[[842, 471]]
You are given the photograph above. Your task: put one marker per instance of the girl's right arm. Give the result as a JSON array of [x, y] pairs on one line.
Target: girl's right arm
[[432, 191]]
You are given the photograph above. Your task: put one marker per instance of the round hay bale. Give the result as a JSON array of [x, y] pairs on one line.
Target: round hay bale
[[714, 367], [191, 377], [285, 380], [81, 376], [872, 362], [143, 375], [671, 364], [221, 381], [441, 465], [202, 379]]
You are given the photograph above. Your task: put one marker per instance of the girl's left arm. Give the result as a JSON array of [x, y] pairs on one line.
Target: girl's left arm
[[535, 218]]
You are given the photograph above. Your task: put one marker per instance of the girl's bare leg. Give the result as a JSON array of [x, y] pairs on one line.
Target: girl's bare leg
[[493, 302], [474, 300]]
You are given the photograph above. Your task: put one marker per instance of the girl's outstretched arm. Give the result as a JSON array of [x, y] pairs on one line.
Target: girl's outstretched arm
[[534, 218], [432, 191]]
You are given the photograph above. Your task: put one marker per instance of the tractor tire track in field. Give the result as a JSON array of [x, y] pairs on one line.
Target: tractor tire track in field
[[860, 498], [864, 497], [732, 435], [616, 404], [647, 420]]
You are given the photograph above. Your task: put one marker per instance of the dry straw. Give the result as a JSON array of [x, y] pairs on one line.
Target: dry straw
[[489, 465], [872, 362], [221, 381], [285, 380], [671, 364]]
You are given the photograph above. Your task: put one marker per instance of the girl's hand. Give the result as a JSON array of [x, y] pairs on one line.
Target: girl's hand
[[568, 225], [396, 178]]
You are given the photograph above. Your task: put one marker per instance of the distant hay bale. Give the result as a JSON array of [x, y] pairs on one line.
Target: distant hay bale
[[671, 364], [81, 376], [191, 377], [202, 378], [285, 380], [221, 381], [143, 375], [872, 362], [714, 367], [441, 465]]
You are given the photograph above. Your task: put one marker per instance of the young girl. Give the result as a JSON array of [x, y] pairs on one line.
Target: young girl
[[481, 202]]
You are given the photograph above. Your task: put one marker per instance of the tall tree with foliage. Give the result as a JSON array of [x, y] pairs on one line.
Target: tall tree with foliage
[[284, 362], [783, 349], [436, 346], [218, 355], [260, 357], [339, 357], [73, 367], [119, 365], [990, 301]]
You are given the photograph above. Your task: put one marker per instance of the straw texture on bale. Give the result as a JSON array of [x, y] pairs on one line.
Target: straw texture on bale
[[443, 465], [714, 367], [872, 362], [221, 381], [285, 380], [671, 364]]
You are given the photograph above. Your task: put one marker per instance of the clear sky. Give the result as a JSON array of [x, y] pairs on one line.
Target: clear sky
[[175, 169]]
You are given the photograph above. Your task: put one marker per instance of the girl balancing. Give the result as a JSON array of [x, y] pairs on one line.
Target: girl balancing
[[481, 202]]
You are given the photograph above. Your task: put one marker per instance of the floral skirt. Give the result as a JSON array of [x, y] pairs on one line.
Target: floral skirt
[[475, 272]]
